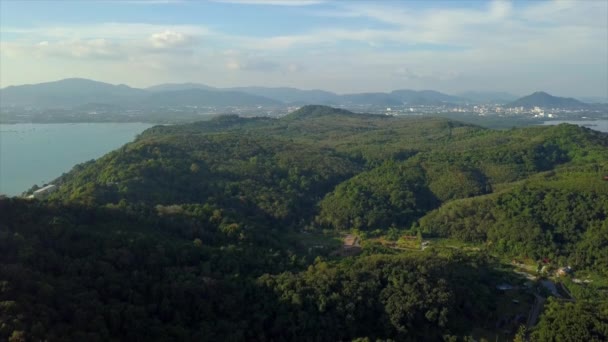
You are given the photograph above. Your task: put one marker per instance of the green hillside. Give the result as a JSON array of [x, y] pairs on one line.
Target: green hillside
[[230, 229]]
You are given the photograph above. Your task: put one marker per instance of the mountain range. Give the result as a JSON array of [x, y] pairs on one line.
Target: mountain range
[[488, 96], [75, 92], [542, 99]]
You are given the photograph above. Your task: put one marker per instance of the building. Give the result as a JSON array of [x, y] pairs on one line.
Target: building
[[44, 192], [351, 245], [350, 241], [562, 271]]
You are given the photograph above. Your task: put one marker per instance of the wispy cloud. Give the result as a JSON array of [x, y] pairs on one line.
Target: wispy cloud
[[108, 30], [272, 2], [151, 2], [73, 49], [170, 39]]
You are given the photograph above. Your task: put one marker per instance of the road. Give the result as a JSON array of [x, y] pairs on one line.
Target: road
[[535, 312]]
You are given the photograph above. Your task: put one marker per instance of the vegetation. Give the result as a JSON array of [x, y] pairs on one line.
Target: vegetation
[[547, 219], [226, 230], [581, 321]]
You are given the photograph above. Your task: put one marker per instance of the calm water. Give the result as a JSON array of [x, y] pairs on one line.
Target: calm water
[[38, 153], [598, 125]]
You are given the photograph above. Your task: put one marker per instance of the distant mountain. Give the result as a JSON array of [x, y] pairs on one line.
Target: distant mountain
[[87, 94], [542, 99], [424, 97], [82, 93], [202, 97], [179, 86], [488, 96], [397, 97], [593, 99], [68, 93], [400, 97], [292, 95], [304, 97], [377, 99], [97, 107], [317, 111]]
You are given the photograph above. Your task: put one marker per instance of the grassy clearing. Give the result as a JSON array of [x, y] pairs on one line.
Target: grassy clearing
[[453, 243], [325, 241], [590, 286]]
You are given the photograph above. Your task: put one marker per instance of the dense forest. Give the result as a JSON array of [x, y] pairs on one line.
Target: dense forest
[[230, 229]]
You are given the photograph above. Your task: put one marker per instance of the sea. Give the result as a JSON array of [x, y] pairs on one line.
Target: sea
[[38, 153], [598, 125]]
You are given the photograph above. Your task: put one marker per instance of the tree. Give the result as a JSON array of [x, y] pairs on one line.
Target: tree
[[393, 234], [521, 334]]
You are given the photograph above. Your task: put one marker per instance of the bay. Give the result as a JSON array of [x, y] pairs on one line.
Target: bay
[[38, 153], [598, 125]]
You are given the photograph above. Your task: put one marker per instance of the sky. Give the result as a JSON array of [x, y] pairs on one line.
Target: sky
[[343, 46]]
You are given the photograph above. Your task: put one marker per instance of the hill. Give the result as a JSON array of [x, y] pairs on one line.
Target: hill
[[424, 97], [544, 100], [319, 111], [306, 97], [178, 86], [68, 93], [230, 229], [352, 171], [204, 97], [594, 99], [188, 273], [488, 96], [292, 95], [434, 160], [377, 99], [76, 92]]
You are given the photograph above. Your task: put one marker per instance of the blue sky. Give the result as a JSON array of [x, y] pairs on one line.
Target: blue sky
[[343, 46]]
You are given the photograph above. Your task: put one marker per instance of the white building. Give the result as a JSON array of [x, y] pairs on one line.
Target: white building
[[44, 192]]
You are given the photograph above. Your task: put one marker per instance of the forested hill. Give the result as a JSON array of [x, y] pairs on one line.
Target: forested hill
[[325, 167], [224, 229], [330, 168]]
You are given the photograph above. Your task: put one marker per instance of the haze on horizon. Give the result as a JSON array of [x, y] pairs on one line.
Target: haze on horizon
[[453, 46]]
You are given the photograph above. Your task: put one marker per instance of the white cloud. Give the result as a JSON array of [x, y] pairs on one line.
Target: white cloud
[[494, 44], [295, 67], [500, 9], [233, 65], [104, 41], [169, 39], [252, 64]]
